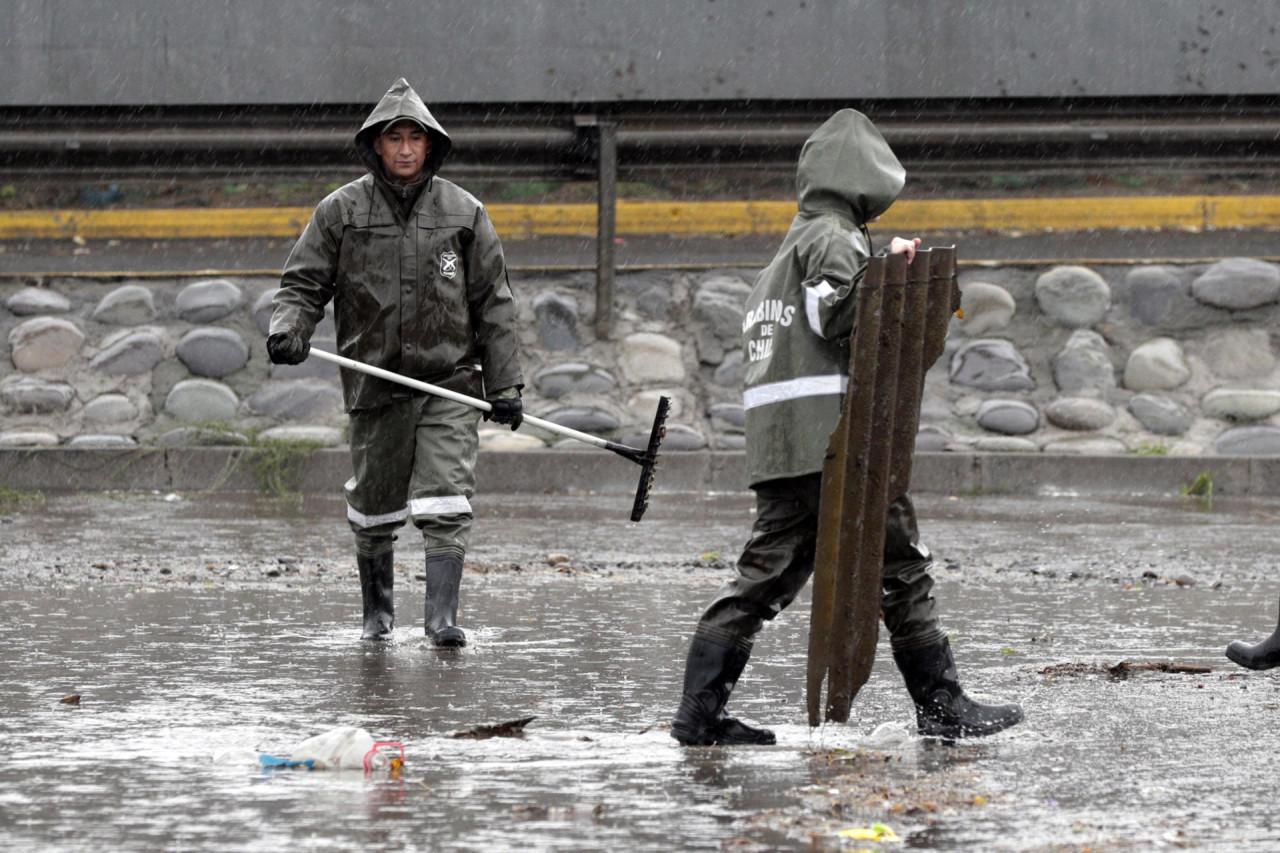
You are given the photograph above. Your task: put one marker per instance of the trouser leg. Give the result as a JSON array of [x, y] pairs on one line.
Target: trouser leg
[[920, 647], [774, 566], [440, 492], [381, 457]]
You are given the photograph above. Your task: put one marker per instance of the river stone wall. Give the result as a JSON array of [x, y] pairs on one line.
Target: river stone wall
[[1065, 359]]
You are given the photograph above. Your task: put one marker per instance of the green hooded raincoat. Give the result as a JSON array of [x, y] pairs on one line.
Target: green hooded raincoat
[[419, 286], [795, 331]]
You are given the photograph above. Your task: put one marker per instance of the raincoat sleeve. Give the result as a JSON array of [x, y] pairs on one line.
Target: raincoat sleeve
[[309, 276], [833, 269], [492, 307]]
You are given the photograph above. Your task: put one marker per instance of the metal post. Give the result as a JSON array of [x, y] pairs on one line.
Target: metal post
[[607, 220]]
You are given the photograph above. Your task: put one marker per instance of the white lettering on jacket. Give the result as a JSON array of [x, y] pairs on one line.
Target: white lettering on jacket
[[766, 315]]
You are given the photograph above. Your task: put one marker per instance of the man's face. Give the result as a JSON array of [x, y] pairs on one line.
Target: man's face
[[403, 147]]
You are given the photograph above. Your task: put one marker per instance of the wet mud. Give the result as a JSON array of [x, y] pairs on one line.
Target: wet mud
[[199, 629]]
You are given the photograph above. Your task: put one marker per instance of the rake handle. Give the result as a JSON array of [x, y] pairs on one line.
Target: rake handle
[[473, 402]]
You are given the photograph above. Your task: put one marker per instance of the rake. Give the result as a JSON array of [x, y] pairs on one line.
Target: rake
[[647, 459]]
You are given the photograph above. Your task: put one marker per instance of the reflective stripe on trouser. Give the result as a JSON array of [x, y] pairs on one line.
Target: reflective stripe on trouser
[[413, 459], [778, 561]]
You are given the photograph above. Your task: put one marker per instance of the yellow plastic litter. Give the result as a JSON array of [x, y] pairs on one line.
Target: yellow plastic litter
[[875, 832]]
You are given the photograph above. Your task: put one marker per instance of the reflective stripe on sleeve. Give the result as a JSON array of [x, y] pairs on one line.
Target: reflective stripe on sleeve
[[791, 389], [813, 297], [374, 520], [448, 505]]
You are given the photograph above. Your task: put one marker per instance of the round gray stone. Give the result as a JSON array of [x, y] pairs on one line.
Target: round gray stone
[[1084, 362], [202, 437], [296, 399], [679, 437], [1240, 404], [206, 301], [651, 357], [1087, 445], [1079, 413], [572, 377], [729, 373], [127, 305], [932, 439], [213, 351], [1156, 294], [37, 300], [201, 401], [109, 409], [654, 302], [728, 417], [1008, 417], [1239, 353], [44, 342], [1238, 284], [987, 308], [27, 395], [92, 440], [557, 321], [1248, 441], [584, 419], [130, 354], [1157, 365], [1159, 414], [1073, 296], [718, 305], [1005, 444], [28, 437], [328, 436], [262, 310], [991, 364]]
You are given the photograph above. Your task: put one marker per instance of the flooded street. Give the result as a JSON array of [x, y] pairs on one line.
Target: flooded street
[[199, 630]]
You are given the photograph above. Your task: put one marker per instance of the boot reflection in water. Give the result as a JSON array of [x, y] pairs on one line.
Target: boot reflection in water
[[1265, 655]]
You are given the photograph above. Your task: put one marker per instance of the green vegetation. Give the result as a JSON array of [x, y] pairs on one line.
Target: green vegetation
[[18, 499], [1201, 488], [278, 464], [1147, 448]]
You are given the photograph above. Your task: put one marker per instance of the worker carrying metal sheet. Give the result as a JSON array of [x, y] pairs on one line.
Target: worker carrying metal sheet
[[797, 331]]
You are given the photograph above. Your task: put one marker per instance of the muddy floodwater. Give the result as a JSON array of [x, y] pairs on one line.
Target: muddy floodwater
[[199, 630]]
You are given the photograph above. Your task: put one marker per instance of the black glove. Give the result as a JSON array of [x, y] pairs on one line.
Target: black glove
[[507, 410], [287, 348]]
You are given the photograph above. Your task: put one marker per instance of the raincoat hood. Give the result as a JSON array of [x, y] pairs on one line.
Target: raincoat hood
[[847, 167], [399, 103]]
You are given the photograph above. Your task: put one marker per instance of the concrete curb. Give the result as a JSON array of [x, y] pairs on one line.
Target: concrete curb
[[634, 218], [197, 469]]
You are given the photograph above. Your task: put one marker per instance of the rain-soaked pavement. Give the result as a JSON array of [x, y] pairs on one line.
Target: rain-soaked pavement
[[191, 643]]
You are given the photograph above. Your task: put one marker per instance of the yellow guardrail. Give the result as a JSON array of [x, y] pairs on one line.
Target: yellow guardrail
[[689, 219]]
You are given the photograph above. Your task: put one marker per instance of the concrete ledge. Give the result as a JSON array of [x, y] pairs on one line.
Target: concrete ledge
[[188, 469]]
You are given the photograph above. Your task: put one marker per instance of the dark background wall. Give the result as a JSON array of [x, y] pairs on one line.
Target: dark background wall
[[122, 52]]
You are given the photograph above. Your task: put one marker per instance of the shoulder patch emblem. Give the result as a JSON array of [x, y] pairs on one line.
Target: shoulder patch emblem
[[448, 264]]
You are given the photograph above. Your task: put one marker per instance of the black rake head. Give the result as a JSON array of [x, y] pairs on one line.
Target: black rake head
[[648, 461]]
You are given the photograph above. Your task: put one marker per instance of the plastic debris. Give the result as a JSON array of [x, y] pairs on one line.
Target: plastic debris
[[875, 832], [343, 748]]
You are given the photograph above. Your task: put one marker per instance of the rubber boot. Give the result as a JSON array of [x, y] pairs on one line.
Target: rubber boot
[[444, 576], [377, 580], [1265, 655], [710, 673], [942, 708]]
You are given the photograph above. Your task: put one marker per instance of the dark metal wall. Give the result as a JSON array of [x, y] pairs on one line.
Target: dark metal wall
[[122, 52]]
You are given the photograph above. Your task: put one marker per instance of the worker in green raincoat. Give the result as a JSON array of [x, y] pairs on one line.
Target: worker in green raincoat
[[419, 287], [796, 329]]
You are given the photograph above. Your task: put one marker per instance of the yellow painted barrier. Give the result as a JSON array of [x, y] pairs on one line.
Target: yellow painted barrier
[[712, 218]]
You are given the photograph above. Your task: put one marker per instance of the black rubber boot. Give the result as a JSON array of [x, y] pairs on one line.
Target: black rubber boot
[[377, 580], [710, 673], [942, 708], [444, 576], [1265, 655]]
